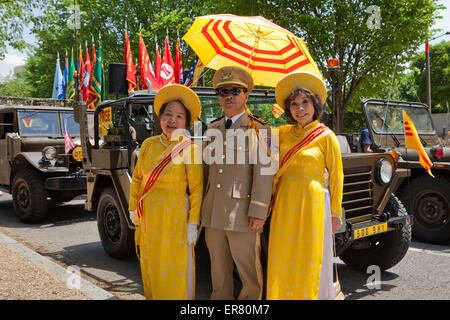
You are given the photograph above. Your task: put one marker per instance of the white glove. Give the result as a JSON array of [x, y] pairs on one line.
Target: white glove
[[192, 233], [134, 217]]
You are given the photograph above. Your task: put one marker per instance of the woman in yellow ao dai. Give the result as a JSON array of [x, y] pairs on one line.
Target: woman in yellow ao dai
[[301, 228], [166, 256]]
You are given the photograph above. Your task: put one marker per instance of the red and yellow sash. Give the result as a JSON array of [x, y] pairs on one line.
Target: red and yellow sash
[[319, 132], [157, 168], [315, 135]]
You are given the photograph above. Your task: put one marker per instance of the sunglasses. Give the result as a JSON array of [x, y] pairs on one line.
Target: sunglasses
[[233, 91]]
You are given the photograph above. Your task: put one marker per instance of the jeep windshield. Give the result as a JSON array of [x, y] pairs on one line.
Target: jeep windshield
[[68, 121], [388, 119], [39, 123]]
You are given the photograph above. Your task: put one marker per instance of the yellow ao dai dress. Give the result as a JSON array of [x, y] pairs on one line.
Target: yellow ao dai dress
[[297, 224], [164, 252]]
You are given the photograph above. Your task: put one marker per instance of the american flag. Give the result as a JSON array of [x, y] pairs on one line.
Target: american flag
[[68, 142], [190, 76]]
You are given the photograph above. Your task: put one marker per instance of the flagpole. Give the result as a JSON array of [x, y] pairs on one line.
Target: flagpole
[[404, 134], [76, 76]]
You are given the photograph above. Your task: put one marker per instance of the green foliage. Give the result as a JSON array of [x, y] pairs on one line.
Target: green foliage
[[15, 87], [15, 15], [330, 29], [107, 19], [439, 73], [340, 29]]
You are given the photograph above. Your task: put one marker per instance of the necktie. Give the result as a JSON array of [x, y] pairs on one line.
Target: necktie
[[228, 124]]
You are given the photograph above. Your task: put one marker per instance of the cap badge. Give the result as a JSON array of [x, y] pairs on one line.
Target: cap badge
[[226, 74]]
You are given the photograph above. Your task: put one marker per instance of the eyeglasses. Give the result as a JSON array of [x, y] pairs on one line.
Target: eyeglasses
[[233, 91]]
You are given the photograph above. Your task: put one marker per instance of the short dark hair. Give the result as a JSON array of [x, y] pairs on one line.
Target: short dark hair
[[188, 114], [318, 105]]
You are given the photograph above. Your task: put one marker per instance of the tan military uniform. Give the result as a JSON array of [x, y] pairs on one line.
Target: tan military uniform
[[235, 191]]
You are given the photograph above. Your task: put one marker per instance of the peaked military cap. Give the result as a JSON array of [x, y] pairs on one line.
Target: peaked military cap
[[232, 76]]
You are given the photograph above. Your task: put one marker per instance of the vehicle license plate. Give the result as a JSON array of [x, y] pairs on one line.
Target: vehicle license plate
[[370, 231]]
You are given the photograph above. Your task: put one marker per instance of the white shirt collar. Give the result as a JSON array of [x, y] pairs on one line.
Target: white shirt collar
[[234, 118]]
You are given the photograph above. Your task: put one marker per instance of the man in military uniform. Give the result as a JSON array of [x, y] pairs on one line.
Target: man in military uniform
[[237, 194]]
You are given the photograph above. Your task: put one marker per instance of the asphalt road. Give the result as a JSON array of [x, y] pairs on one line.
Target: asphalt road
[[69, 236]]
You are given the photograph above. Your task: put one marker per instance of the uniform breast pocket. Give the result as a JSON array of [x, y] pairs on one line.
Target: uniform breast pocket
[[241, 189]]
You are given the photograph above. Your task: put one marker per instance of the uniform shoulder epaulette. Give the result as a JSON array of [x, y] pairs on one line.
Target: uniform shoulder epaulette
[[261, 120], [217, 119]]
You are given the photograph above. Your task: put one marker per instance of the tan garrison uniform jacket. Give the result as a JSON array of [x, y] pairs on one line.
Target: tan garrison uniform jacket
[[235, 190]]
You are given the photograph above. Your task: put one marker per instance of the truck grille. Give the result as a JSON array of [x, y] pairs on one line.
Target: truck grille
[[358, 192]]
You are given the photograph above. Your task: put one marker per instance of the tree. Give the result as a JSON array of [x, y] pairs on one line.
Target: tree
[[14, 87], [370, 37], [14, 16], [106, 18], [440, 75]]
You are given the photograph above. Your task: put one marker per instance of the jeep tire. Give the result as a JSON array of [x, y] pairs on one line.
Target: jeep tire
[[428, 200], [117, 239], [29, 196], [384, 250]]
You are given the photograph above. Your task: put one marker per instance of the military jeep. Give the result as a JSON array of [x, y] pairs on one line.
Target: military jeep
[[425, 197], [33, 163], [376, 230]]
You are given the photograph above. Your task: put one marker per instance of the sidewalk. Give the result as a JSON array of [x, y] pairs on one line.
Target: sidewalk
[[27, 275]]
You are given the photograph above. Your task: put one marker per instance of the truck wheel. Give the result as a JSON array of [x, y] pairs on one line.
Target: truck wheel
[[384, 250], [428, 199], [117, 239], [29, 196]]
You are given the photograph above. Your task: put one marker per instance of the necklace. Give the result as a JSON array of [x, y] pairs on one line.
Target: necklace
[[295, 133], [160, 139]]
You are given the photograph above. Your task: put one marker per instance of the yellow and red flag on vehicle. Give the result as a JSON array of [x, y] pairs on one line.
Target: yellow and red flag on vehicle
[[276, 110], [412, 141], [131, 69]]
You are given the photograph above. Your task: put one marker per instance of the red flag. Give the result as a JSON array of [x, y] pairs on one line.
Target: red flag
[[178, 64], [158, 82], [131, 70], [90, 97], [146, 66], [167, 65], [80, 67], [86, 76]]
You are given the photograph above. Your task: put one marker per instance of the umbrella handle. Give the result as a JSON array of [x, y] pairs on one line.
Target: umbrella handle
[[253, 49]]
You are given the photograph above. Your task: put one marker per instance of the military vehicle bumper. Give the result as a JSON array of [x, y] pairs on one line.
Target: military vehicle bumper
[[355, 231], [66, 183]]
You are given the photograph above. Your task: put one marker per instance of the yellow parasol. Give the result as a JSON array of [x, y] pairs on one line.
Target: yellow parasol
[[266, 50]]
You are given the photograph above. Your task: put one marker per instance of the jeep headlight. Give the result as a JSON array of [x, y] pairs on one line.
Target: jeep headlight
[[383, 170], [49, 153]]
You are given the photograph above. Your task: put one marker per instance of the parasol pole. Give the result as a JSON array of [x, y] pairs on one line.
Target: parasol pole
[[253, 50]]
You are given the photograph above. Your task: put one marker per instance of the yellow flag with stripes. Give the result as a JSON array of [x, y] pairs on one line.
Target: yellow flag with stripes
[[413, 142]]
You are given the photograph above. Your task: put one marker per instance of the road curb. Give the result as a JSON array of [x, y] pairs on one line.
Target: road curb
[[90, 289]]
